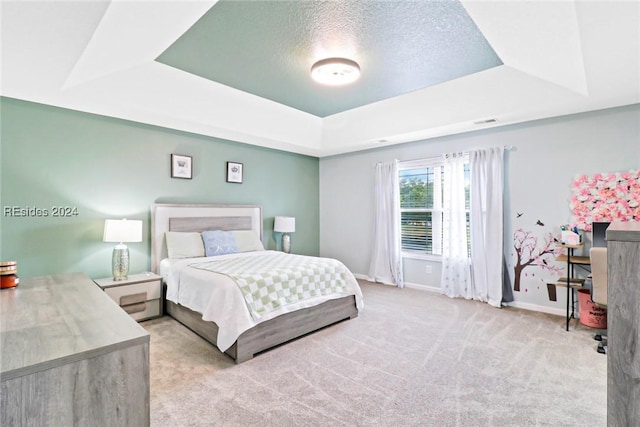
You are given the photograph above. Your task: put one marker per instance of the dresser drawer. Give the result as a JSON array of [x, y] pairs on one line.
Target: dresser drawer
[[135, 293]]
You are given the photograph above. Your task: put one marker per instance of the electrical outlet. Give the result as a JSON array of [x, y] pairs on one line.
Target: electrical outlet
[[428, 269]]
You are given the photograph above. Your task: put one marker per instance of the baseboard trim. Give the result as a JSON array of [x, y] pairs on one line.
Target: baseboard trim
[[406, 284], [425, 288], [536, 307], [515, 304]]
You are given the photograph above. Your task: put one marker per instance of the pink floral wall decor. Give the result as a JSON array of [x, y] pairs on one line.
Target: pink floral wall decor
[[605, 197]]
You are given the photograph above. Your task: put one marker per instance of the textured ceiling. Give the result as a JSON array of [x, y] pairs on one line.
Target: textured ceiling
[[267, 48], [558, 58]]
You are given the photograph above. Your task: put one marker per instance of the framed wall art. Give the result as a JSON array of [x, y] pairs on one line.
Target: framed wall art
[[181, 166], [234, 172]]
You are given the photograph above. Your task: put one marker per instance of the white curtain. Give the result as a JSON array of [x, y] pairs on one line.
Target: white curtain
[[386, 258], [456, 273], [486, 193]]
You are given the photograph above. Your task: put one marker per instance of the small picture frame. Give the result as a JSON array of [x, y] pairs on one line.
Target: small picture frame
[[181, 166], [234, 172]]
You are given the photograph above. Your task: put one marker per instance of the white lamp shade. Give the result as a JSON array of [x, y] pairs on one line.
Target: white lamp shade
[[284, 224], [122, 230]]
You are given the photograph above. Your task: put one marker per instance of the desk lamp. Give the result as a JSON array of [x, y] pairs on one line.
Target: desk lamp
[[121, 231]]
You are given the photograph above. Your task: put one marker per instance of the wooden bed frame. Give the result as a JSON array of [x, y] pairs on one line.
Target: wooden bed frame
[[265, 335]]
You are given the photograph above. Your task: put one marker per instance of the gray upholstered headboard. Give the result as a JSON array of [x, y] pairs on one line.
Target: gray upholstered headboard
[[189, 217]]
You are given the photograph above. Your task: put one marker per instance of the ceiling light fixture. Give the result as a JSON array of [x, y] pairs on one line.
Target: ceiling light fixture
[[335, 71]]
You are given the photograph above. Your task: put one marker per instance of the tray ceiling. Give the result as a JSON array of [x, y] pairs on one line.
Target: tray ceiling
[[240, 70], [267, 49]]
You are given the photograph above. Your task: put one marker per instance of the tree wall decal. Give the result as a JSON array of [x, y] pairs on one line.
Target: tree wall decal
[[530, 255]]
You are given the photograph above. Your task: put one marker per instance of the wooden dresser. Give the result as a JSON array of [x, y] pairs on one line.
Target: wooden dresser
[[70, 356], [623, 318]]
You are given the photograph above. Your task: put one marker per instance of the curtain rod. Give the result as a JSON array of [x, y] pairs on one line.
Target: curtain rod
[[504, 147]]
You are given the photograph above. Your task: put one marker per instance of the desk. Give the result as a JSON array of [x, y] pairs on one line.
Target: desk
[[570, 281]]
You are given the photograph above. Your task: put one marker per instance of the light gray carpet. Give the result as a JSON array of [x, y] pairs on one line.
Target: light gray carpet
[[411, 358]]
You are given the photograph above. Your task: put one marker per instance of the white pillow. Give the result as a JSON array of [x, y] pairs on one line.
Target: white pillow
[[247, 240], [184, 245]]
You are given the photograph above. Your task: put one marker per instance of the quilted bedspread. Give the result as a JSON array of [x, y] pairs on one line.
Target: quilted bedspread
[[277, 279]]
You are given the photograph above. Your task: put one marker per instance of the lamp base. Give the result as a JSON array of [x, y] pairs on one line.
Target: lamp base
[[286, 243], [120, 262]]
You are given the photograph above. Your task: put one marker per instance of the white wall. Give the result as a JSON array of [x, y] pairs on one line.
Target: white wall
[[540, 169]]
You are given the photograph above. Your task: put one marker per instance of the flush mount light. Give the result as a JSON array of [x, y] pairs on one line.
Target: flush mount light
[[335, 71]]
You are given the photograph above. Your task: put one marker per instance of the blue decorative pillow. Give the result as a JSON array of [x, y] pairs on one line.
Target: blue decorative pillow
[[219, 242]]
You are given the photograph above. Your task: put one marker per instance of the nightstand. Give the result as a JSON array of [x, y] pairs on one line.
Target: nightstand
[[140, 295]]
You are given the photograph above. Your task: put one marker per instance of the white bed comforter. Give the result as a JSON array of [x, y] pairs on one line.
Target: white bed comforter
[[220, 300]]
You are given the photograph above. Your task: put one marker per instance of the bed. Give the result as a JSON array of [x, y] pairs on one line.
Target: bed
[[206, 295]]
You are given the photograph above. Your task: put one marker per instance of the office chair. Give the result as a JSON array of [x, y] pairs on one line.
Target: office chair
[[598, 257]]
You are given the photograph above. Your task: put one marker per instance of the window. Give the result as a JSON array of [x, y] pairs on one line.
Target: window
[[421, 186]]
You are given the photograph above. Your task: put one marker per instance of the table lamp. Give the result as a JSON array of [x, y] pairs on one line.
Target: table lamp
[[285, 225], [121, 231]]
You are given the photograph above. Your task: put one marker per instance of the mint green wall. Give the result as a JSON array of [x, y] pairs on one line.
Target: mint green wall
[[111, 168]]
